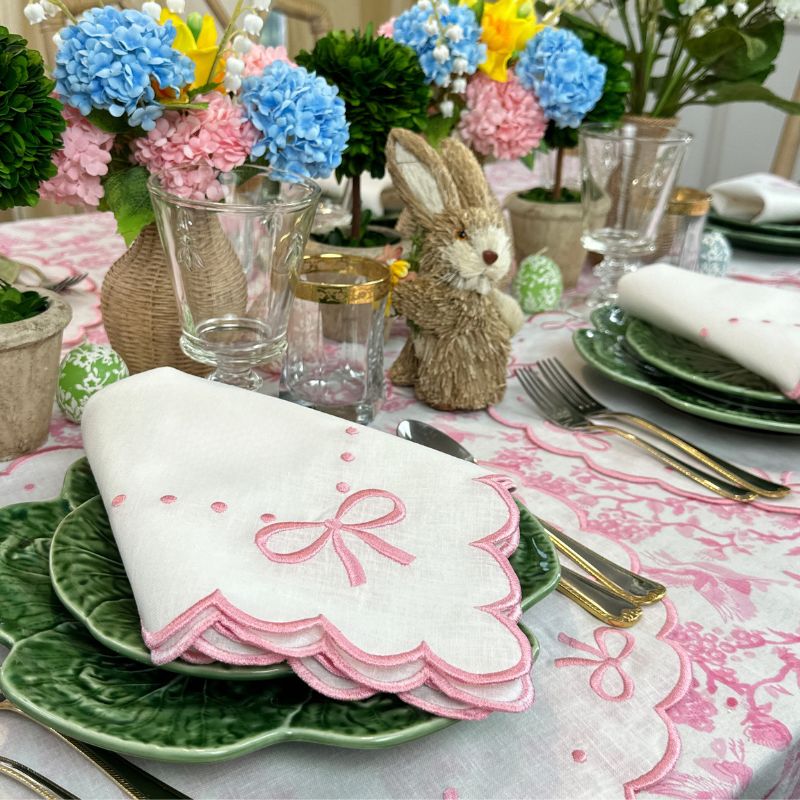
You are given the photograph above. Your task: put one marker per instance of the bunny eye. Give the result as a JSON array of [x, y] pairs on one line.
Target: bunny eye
[[462, 234]]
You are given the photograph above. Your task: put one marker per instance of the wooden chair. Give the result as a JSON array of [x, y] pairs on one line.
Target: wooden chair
[[785, 160]]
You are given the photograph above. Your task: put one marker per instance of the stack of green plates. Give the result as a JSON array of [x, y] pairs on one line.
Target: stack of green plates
[[78, 664], [762, 237], [683, 374]]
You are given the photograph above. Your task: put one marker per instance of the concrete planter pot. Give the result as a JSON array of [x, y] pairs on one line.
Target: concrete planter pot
[[556, 227], [318, 248], [29, 356]]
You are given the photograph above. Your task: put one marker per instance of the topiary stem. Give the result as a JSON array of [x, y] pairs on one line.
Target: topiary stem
[[355, 208], [557, 180]]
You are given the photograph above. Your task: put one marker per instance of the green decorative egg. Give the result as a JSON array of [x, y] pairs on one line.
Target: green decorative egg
[[84, 371], [538, 285]]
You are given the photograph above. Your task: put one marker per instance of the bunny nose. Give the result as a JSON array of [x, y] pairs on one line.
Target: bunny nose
[[489, 256]]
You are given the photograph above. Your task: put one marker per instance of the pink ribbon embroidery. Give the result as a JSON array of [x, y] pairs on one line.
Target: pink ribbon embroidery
[[335, 528], [605, 661]]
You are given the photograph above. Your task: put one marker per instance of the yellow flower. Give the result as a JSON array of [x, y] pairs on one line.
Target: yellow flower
[[398, 270], [505, 32], [202, 49]]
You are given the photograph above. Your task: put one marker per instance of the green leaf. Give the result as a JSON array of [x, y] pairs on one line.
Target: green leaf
[[529, 160], [109, 123], [743, 91], [439, 128], [734, 54], [127, 197]]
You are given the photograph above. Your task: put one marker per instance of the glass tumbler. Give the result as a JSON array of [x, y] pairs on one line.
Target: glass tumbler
[[334, 361], [233, 262], [683, 226], [632, 168]]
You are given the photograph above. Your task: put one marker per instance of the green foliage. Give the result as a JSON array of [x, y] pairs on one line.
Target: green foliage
[[127, 197], [16, 306], [611, 105], [383, 87], [30, 123], [542, 195], [365, 238]]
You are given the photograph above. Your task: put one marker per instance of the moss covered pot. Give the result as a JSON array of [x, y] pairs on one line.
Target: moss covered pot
[[30, 351]]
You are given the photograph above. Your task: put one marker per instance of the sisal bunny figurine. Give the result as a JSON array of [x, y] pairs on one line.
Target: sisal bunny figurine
[[461, 323]]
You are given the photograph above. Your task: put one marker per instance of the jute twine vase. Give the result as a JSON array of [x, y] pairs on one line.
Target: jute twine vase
[[138, 303]]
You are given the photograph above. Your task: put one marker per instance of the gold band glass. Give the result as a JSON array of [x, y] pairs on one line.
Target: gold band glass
[[348, 279]]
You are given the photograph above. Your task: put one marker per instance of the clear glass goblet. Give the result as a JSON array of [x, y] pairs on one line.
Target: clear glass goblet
[[631, 170], [233, 263]]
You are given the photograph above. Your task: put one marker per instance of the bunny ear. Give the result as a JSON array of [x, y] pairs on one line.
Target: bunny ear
[[468, 177], [420, 176]]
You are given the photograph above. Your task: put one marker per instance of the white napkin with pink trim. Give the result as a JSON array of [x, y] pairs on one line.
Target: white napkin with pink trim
[[756, 326], [759, 197], [255, 531]]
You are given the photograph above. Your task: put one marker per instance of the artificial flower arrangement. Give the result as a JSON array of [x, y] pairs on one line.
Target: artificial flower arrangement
[[689, 52], [149, 91], [501, 77]]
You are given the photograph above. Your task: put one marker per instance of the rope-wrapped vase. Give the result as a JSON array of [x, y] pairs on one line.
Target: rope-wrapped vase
[[138, 303]]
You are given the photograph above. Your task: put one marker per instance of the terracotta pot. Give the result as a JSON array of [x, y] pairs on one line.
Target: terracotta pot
[[553, 227], [318, 248], [29, 356]]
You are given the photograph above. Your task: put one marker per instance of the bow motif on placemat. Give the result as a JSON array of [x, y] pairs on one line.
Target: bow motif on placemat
[[335, 529]]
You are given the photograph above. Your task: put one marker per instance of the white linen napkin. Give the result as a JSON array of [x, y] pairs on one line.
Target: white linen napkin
[[254, 530], [756, 326], [760, 197]]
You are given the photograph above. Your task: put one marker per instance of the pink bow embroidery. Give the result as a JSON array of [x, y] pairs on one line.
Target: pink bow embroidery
[[604, 662], [335, 528]]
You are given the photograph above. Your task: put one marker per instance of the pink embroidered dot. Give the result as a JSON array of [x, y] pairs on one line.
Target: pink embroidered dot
[[267, 517], [733, 320], [118, 500], [731, 702], [450, 794], [168, 498], [29, 487], [219, 507], [704, 332], [343, 487], [579, 756], [766, 321], [351, 431], [347, 457]]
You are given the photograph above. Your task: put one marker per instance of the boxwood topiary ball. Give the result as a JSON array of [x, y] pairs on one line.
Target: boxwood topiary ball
[[538, 285], [84, 371]]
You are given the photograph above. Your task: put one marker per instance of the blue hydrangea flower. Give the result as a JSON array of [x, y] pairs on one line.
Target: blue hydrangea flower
[[566, 79], [109, 59], [415, 29], [301, 119]]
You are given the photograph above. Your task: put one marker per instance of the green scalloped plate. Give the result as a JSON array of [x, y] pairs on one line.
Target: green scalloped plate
[[776, 228], [698, 365], [601, 348], [106, 699], [782, 240]]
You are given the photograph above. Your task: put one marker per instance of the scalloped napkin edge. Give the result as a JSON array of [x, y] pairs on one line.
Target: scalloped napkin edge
[[397, 526]]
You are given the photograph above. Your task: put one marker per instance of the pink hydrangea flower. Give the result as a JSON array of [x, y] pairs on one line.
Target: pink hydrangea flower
[[258, 58], [387, 28], [214, 139], [501, 119], [82, 161]]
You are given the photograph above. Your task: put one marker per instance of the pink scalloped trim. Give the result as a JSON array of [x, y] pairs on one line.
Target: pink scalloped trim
[[185, 631], [673, 749]]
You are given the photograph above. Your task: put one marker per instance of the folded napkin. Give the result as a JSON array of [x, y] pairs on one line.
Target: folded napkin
[[760, 197], [756, 326], [253, 531]]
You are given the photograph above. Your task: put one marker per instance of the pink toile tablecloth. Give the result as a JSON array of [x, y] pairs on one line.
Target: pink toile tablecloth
[[701, 699]]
